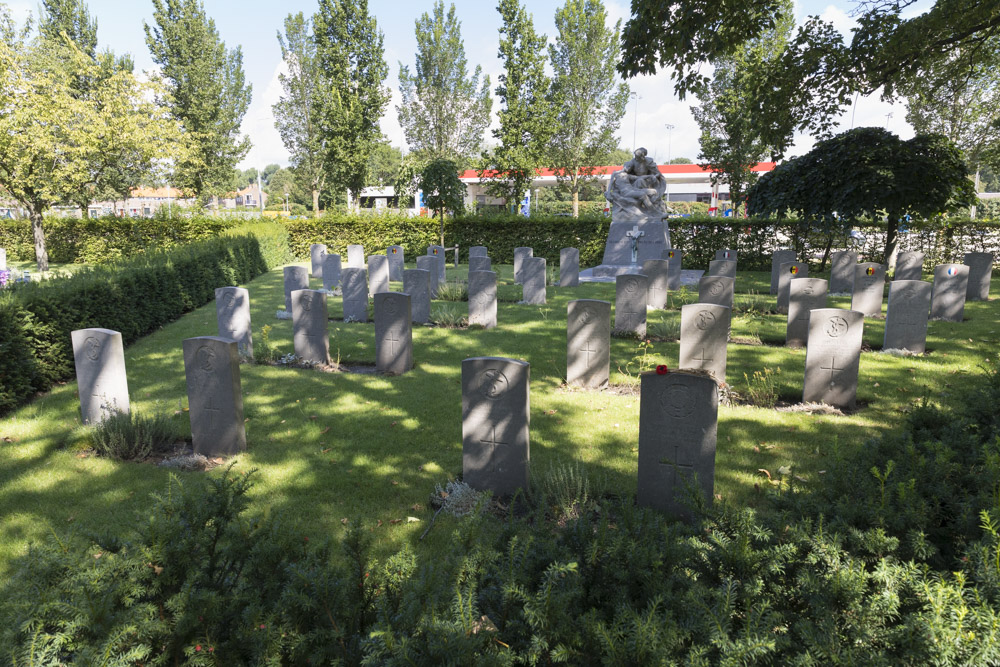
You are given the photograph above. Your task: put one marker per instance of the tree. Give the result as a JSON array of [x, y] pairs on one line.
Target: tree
[[442, 189], [590, 105], [297, 113], [527, 116], [819, 73], [383, 165], [72, 19], [867, 172], [731, 118], [681, 160], [350, 49], [208, 94], [443, 113]]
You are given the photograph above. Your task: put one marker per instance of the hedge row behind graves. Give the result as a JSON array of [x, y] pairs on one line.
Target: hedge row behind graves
[[133, 297]]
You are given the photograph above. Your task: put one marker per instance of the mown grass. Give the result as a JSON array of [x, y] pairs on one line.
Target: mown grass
[[368, 448]]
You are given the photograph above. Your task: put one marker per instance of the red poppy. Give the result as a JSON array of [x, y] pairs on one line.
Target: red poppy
[[662, 369]]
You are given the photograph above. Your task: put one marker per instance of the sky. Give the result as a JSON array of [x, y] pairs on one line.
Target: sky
[[253, 26]]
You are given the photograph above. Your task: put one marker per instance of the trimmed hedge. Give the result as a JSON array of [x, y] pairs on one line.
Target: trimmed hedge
[[134, 298]]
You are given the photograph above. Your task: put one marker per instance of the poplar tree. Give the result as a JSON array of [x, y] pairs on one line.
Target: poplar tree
[[72, 18], [207, 93], [350, 49], [443, 112]]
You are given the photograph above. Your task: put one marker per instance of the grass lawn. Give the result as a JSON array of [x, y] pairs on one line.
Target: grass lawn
[[368, 448]]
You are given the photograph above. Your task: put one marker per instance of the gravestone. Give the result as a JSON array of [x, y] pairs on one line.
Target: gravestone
[[101, 381], [717, 290], [704, 333], [833, 356], [309, 329], [316, 253], [779, 257], [906, 316], [842, 265], [657, 272], [804, 295], [438, 252], [521, 254], [356, 256], [869, 285], [728, 255], [630, 303], [648, 237], [354, 287], [722, 267], [588, 342], [480, 263], [909, 266], [232, 316], [430, 263], [483, 298], [416, 283], [215, 398], [3, 259], [396, 260], [675, 257], [393, 333], [569, 267], [296, 277], [533, 280], [378, 274], [787, 272], [678, 419], [495, 421], [980, 270], [478, 251], [331, 271], [951, 284]]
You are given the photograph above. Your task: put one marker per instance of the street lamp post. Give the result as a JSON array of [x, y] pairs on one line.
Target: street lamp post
[[635, 116]]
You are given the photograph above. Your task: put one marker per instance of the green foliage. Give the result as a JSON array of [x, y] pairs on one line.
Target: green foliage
[[208, 94], [264, 351], [453, 292], [450, 315], [565, 488], [443, 113], [762, 387], [133, 297], [69, 17], [132, 436], [442, 189]]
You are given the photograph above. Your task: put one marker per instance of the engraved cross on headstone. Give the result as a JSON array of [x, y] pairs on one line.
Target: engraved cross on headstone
[[702, 358], [391, 338], [676, 463], [832, 368], [635, 235], [589, 349], [627, 317], [655, 289], [493, 443]]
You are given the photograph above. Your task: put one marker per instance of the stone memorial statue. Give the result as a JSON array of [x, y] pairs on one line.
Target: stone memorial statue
[[637, 190]]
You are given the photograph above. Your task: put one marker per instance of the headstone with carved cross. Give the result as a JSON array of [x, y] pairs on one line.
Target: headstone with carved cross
[[716, 289], [588, 342], [722, 267], [378, 274], [310, 337], [779, 257], [416, 283], [674, 257], [833, 357], [495, 421], [480, 263], [678, 419], [906, 316], [657, 271], [356, 256], [316, 253], [787, 272], [215, 399], [437, 251], [99, 356], [521, 254], [232, 315], [483, 298], [804, 295], [533, 272], [951, 285], [331, 271], [569, 267], [354, 287], [478, 251], [869, 286], [842, 265], [630, 304], [429, 263], [393, 333], [296, 277], [909, 266], [396, 260], [704, 334], [980, 269]]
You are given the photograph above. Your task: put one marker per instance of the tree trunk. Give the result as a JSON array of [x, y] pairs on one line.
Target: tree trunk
[[973, 209], [315, 194], [441, 221], [576, 193], [41, 256], [891, 240], [826, 252]]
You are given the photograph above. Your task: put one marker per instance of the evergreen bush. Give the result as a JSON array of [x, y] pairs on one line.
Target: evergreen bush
[[132, 436]]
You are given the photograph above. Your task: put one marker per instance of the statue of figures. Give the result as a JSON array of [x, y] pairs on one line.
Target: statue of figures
[[637, 190]]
